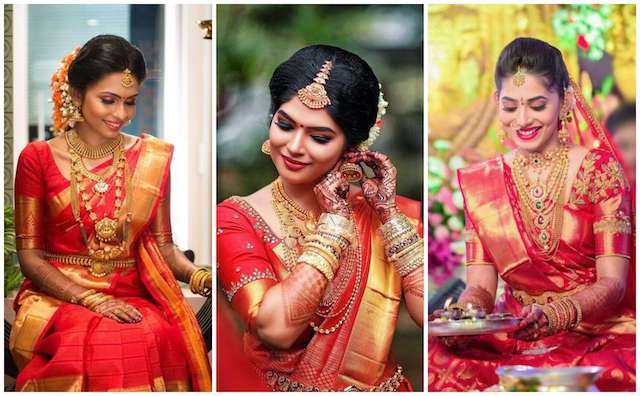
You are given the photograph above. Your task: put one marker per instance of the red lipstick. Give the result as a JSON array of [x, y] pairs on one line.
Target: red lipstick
[[292, 164], [528, 133]]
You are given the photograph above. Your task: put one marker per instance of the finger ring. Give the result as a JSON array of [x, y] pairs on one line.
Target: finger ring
[[535, 325]]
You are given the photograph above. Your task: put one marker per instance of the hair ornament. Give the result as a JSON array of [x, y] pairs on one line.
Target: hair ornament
[[127, 78], [65, 113], [314, 96], [518, 78], [376, 129]]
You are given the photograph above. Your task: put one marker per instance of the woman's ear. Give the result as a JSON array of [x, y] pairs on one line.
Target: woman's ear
[[495, 97], [76, 96]]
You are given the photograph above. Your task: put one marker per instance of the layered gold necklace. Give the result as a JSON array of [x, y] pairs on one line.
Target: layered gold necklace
[[287, 211], [541, 199], [106, 228]]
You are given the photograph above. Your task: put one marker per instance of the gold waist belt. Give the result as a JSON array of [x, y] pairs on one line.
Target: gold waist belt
[[282, 383], [526, 299], [97, 268]]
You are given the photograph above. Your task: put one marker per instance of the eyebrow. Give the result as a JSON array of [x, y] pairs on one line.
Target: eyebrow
[[314, 128], [528, 100], [116, 95]]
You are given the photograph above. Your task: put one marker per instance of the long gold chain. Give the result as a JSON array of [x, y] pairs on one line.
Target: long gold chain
[[105, 228], [92, 152], [541, 206]]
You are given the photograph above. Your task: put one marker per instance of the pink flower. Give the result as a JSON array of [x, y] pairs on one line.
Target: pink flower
[[441, 233]]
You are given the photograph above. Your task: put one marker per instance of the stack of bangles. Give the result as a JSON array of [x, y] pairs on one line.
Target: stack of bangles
[[403, 245], [91, 299], [564, 314], [198, 282], [322, 250]]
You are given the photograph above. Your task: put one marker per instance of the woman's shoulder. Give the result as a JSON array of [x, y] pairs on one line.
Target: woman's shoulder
[[36, 153], [236, 207], [150, 141]]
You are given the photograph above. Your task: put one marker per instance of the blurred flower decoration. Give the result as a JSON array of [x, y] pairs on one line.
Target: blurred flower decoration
[[446, 214], [584, 26]]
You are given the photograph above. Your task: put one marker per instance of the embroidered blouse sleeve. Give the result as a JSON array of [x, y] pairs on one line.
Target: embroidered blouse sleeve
[[30, 199], [474, 251], [244, 270], [610, 194]]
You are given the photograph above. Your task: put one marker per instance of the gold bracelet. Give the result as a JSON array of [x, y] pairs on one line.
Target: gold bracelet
[[317, 262]]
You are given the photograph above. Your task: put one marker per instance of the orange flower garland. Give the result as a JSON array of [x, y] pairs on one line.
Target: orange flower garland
[[60, 95]]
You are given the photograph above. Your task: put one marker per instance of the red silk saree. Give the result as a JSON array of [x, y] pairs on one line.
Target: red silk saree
[[358, 352], [60, 346], [498, 238]]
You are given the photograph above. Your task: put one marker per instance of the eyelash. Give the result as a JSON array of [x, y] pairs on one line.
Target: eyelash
[[321, 139], [110, 102], [285, 126], [536, 108]]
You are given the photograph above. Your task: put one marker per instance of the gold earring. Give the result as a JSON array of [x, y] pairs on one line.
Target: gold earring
[[76, 114], [563, 128], [351, 172], [501, 136], [266, 147]]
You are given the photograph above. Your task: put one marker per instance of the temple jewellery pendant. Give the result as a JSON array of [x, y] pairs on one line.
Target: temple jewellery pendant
[[106, 229], [101, 187]]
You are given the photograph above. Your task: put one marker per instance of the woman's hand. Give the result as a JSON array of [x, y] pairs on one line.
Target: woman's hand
[[380, 190], [331, 192], [534, 326], [119, 311]]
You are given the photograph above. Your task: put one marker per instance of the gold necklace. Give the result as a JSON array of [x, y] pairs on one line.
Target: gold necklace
[[91, 152], [541, 205], [101, 186], [286, 211], [105, 228]]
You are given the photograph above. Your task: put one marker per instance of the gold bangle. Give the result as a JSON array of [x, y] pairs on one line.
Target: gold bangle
[[325, 241], [197, 281], [317, 262], [552, 317], [78, 299], [330, 258], [89, 299], [578, 309]]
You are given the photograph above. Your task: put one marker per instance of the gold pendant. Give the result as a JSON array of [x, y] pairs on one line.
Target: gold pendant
[[106, 229], [101, 187]]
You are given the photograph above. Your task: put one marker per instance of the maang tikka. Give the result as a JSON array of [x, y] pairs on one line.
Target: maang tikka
[[314, 96]]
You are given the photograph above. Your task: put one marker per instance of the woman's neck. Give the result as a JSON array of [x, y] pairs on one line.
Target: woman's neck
[[303, 195], [90, 137]]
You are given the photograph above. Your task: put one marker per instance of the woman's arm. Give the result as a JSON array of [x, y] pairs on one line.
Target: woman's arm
[[180, 265], [413, 289], [46, 277]]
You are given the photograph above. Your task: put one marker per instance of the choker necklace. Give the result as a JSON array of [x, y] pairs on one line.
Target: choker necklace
[[538, 160], [91, 152], [540, 200]]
